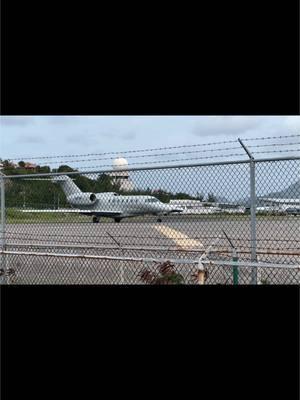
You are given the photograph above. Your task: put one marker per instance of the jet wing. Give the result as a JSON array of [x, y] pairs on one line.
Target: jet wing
[[99, 213]]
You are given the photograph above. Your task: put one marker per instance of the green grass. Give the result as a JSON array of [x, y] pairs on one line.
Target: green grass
[[16, 216]]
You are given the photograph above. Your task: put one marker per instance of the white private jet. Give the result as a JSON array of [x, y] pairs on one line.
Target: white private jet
[[280, 205], [109, 204], [294, 202]]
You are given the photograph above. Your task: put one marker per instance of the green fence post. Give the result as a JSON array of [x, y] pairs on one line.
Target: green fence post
[[235, 260]]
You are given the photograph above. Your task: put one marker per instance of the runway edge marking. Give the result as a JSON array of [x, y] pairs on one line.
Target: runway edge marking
[[181, 240]]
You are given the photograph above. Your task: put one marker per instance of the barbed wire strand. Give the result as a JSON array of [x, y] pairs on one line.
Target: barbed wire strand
[[167, 154], [145, 150], [164, 161], [271, 137], [123, 152]]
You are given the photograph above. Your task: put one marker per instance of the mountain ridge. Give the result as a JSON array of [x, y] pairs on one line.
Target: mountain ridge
[[291, 192]]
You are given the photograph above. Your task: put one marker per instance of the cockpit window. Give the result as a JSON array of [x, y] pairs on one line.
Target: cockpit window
[[152, 200]]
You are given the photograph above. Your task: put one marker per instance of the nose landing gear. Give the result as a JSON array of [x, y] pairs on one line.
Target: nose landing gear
[[159, 220]]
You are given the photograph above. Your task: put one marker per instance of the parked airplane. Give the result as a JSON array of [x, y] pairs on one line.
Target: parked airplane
[[108, 204], [193, 207], [282, 204], [281, 201], [206, 207], [279, 205]]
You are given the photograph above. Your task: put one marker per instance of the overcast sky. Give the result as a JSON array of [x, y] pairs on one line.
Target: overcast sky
[[22, 136]]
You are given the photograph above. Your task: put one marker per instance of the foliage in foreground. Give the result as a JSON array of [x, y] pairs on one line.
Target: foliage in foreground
[[165, 275]]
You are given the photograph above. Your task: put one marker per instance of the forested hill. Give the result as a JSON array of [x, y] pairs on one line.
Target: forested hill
[[45, 194]]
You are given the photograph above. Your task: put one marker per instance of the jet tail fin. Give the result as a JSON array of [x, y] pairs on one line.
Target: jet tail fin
[[67, 184]]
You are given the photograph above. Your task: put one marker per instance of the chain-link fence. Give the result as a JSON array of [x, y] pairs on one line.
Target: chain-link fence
[[54, 268], [119, 226]]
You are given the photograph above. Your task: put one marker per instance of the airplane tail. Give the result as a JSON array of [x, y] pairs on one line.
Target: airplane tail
[[67, 184]]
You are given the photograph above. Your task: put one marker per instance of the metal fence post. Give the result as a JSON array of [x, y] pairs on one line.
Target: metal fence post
[[2, 229], [253, 221], [253, 212], [235, 260]]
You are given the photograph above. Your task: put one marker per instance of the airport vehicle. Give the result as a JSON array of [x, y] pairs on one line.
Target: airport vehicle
[[108, 204]]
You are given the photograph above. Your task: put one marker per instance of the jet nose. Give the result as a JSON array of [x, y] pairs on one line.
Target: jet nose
[[171, 209]]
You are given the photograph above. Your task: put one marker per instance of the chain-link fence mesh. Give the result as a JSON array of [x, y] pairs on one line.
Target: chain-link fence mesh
[[172, 213], [44, 268]]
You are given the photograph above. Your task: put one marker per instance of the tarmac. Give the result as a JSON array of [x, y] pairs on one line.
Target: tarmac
[[195, 233]]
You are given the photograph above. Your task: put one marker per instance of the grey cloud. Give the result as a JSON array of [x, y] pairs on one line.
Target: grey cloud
[[16, 121], [82, 138], [114, 135], [129, 136], [107, 134], [30, 139], [62, 119], [227, 125], [293, 124], [247, 127]]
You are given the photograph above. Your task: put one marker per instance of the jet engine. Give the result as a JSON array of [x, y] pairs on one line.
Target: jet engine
[[84, 199]]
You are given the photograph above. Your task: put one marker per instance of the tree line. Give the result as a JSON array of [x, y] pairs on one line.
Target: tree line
[[43, 193]]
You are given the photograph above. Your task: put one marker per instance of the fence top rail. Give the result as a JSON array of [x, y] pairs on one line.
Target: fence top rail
[[170, 248], [150, 168], [155, 260]]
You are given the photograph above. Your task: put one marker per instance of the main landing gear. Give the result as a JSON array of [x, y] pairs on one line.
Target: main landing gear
[[96, 220], [159, 220], [117, 219]]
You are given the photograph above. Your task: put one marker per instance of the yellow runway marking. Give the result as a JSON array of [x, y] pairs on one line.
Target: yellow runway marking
[[181, 240]]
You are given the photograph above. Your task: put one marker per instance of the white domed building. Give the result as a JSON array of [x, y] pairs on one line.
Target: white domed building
[[120, 163], [121, 174]]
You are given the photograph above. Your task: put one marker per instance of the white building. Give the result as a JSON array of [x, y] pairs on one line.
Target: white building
[[121, 175]]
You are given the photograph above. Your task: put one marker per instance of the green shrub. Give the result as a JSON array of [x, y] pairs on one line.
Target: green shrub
[[165, 275]]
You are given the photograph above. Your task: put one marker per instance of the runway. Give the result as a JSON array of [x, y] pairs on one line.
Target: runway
[[174, 238], [192, 234]]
